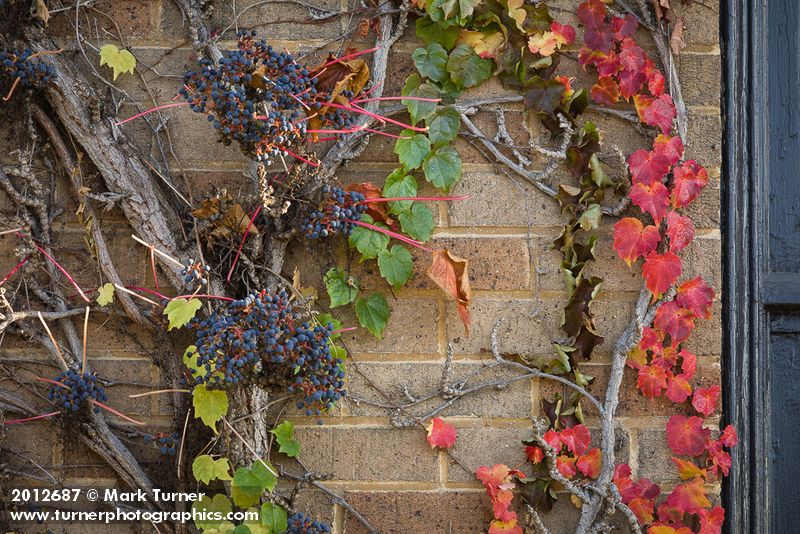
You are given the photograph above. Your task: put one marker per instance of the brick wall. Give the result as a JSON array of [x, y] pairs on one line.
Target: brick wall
[[505, 229]]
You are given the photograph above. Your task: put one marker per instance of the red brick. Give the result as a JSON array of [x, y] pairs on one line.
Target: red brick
[[368, 453], [433, 512]]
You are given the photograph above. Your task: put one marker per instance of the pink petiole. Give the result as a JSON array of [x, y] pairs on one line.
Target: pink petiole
[[151, 110], [401, 237], [34, 418], [395, 199], [244, 237], [14, 270]]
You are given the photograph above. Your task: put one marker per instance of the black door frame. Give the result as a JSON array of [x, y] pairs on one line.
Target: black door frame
[[748, 293]]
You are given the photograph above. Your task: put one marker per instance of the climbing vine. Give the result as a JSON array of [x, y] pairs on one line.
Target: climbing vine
[[255, 332]]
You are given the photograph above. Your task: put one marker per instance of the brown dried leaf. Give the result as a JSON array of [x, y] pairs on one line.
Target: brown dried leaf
[[42, 11], [676, 41], [378, 210], [350, 75], [449, 272]]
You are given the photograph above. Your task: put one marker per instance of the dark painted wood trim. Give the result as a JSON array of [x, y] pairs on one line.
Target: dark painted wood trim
[[743, 24]]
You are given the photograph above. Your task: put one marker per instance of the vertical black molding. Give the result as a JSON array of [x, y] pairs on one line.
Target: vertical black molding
[[744, 179]]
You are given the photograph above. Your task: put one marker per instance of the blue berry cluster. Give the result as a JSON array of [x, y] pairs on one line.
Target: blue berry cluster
[[166, 444], [300, 523], [195, 272], [16, 65], [337, 209], [264, 339], [80, 388], [260, 97]]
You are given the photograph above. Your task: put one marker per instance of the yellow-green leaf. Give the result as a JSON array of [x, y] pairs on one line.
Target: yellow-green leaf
[[119, 60], [181, 311], [205, 469], [207, 506], [209, 405], [106, 294]]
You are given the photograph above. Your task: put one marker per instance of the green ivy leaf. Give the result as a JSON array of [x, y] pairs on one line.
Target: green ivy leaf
[[181, 311], [599, 176], [342, 289], [467, 69], [590, 219], [265, 473], [246, 488], [284, 435], [274, 518], [443, 126], [412, 148], [205, 469], [431, 61], [443, 167], [404, 185], [209, 405], [243, 529], [417, 222], [396, 265], [209, 507], [249, 483], [337, 352], [119, 60], [373, 313], [419, 109], [452, 11], [106, 294], [368, 242], [429, 31]]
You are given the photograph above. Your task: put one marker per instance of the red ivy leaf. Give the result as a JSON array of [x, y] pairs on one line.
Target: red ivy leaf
[[648, 167], [637, 358], [667, 529], [669, 147], [729, 437], [711, 521], [689, 498], [651, 381], [630, 82], [577, 438], [652, 199], [589, 464], [676, 321], [552, 438], [688, 363], [689, 180], [655, 79], [678, 389], [605, 91], [695, 295], [624, 27], [376, 210], [686, 435], [650, 338], [680, 230], [599, 37], [441, 434], [719, 459], [534, 454], [631, 55], [632, 239], [660, 271], [705, 399], [500, 505], [592, 12], [658, 112], [563, 32], [688, 470]]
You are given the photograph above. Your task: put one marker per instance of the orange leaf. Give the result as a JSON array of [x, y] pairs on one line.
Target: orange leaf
[[690, 497], [589, 464], [504, 527], [678, 389], [642, 509], [711, 521], [605, 91], [441, 434], [651, 381], [449, 272], [688, 470]]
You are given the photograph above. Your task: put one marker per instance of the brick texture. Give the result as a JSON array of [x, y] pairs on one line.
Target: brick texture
[[505, 228]]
